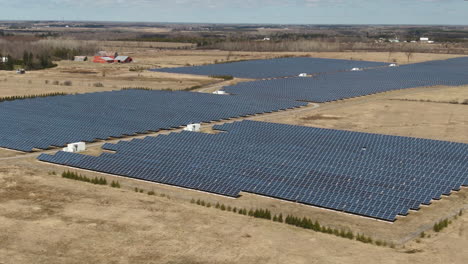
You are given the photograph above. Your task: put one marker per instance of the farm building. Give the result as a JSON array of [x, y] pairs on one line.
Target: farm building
[[110, 59], [80, 58], [99, 59], [123, 59]]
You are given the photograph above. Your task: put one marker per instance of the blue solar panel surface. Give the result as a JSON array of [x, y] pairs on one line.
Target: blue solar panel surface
[[55, 121], [342, 85], [283, 67], [373, 175]]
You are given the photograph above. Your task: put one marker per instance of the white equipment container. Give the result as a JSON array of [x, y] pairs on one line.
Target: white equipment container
[[193, 127], [75, 147]]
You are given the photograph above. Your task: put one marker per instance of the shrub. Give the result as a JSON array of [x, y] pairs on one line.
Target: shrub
[[441, 225], [137, 69], [79, 177], [224, 77], [190, 88], [151, 193], [136, 88], [261, 213], [115, 184], [67, 83], [98, 84], [23, 97]]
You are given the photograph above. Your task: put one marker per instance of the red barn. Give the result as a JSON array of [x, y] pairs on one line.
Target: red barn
[[100, 59]]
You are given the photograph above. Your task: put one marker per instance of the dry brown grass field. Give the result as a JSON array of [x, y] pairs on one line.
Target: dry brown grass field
[[94, 77], [387, 113], [47, 219]]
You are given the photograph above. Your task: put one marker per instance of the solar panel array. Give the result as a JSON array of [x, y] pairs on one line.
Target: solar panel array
[[373, 175], [331, 87], [55, 121], [283, 67]]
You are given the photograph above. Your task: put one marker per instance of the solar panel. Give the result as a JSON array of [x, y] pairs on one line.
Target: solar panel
[[342, 85], [55, 121], [283, 67], [372, 175]]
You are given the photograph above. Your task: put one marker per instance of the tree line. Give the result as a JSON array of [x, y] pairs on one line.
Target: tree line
[[302, 222], [22, 97], [28, 62]]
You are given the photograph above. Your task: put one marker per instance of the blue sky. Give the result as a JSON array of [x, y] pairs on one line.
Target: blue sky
[[243, 11]]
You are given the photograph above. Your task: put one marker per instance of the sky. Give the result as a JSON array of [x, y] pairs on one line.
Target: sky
[[432, 12]]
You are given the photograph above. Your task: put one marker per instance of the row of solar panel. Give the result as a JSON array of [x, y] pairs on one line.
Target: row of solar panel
[[283, 67], [373, 175], [331, 87], [55, 121]]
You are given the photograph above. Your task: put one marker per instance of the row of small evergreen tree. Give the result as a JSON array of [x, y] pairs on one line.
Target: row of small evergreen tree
[[78, 177], [149, 89], [136, 88], [303, 222], [22, 97], [224, 77], [115, 184], [441, 225]]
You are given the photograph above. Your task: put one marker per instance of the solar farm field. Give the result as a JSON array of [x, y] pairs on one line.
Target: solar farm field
[[343, 85], [366, 174], [55, 121], [357, 163], [283, 67]]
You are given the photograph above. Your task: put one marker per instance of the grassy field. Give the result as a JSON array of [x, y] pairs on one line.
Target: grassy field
[[388, 114], [93, 77], [85, 223]]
